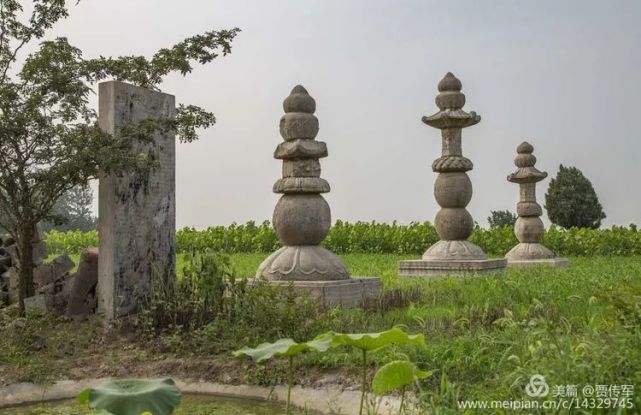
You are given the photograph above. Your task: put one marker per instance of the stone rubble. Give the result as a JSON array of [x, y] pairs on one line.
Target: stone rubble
[[57, 291]]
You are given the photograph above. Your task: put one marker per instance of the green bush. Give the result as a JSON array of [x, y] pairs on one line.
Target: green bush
[[571, 200], [376, 238]]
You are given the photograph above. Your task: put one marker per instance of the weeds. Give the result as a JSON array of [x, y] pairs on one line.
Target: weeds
[[484, 336]]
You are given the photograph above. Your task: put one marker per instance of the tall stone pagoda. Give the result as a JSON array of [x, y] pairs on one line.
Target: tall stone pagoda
[[302, 217], [529, 227], [453, 254]]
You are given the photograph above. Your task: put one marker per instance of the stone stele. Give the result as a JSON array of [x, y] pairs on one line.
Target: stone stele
[[136, 217], [529, 227], [453, 254], [302, 216]]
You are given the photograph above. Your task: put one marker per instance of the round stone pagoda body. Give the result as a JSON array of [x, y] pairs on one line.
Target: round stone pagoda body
[[453, 254]]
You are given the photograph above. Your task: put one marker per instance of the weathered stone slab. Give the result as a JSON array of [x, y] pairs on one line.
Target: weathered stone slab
[[136, 217], [62, 264], [37, 303], [45, 274], [39, 246], [347, 293], [12, 251], [11, 278], [422, 268], [82, 301], [550, 262]]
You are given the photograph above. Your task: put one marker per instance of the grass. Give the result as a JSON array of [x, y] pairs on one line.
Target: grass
[[245, 265], [485, 336]]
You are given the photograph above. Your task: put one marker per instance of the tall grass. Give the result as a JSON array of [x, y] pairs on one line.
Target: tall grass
[[487, 336]]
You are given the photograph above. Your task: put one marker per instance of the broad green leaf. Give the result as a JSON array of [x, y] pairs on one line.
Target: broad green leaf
[[283, 348], [320, 344], [372, 342], [134, 397], [83, 397], [395, 375]]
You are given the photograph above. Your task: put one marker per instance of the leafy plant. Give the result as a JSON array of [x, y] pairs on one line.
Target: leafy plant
[[371, 343], [133, 397], [206, 291], [398, 374], [284, 348]]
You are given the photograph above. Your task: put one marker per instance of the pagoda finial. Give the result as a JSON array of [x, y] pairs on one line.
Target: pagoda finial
[[299, 100], [449, 83], [525, 162], [450, 96]]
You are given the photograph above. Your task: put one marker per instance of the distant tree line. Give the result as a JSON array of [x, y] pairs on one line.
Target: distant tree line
[[72, 212]]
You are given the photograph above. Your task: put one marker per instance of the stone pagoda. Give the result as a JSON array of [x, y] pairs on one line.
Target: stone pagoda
[[529, 227], [453, 254], [302, 217]]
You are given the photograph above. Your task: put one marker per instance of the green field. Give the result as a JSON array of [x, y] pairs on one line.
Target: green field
[[485, 335]]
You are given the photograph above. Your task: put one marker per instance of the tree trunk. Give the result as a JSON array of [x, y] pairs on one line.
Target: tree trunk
[[25, 270]]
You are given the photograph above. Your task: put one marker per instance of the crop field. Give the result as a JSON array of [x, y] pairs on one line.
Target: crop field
[[377, 238]]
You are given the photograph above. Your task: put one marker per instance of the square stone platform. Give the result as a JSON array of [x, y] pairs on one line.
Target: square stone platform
[[343, 293], [550, 262], [423, 268]]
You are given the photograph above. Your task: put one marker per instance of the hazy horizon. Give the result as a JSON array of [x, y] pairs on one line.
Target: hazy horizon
[[562, 75]]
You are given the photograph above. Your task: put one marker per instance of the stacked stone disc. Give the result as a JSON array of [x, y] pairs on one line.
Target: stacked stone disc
[[302, 217], [453, 254], [529, 227]]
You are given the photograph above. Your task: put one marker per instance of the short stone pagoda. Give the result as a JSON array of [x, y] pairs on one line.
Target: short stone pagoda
[[302, 217], [529, 227], [453, 254]]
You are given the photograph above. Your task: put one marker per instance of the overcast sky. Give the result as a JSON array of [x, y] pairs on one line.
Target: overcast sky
[[563, 75]]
